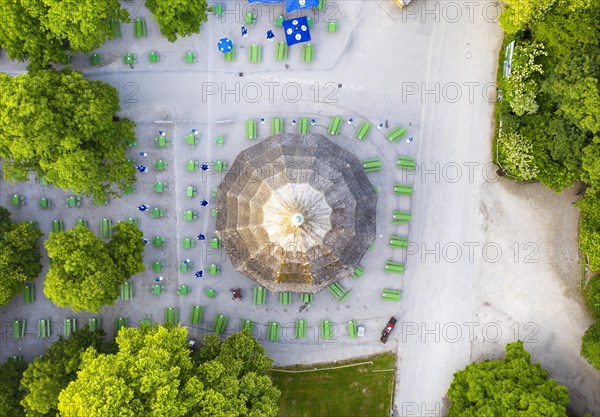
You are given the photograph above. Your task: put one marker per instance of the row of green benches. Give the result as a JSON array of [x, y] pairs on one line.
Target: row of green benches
[[339, 292], [18, 200], [44, 328]]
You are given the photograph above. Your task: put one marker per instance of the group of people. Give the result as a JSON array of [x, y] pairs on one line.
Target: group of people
[[270, 34]]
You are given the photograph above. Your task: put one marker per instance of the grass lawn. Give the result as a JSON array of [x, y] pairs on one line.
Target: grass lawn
[[353, 391]]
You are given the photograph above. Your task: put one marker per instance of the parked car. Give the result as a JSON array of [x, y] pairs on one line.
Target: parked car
[[388, 329]]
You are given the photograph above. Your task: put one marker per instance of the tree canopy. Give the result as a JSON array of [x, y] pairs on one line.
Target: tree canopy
[[590, 346], [61, 126], [19, 257], [153, 374], [507, 387], [43, 30], [48, 375], [86, 273], [178, 17], [11, 373]]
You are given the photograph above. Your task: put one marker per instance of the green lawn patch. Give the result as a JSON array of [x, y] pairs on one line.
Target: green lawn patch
[[344, 392]]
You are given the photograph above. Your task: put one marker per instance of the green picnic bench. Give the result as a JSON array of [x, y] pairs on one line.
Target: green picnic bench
[[220, 323], [157, 266], [395, 134], [153, 57], [115, 27], [19, 329], [335, 126], [400, 217], [129, 189], [160, 187], [406, 163], [248, 325], [321, 5], [273, 331], [17, 200], [81, 222], [214, 269], [363, 131], [372, 164], [210, 293], [146, 321], [276, 125], [250, 129], [126, 290], [213, 212], [285, 298], [300, 329], [188, 243], [391, 295], [105, 227], [281, 51], [304, 126], [220, 166], [352, 329], [259, 295], [139, 28], [158, 241], [220, 140], [157, 213], [395, 267], [186, 266], [279, 21], [190, 215], [45, 203], [403, 189], [160, 165], [358, 272], [331, 27], [129, 58], [230, 56], [121, 322], [218, 9], [308, 53], [44, 329], [250, 19], [190, 57], [96, 59], [254, 54], [156, 289], [183, 289], [306, 297], [69, 326], [398, 242], [326, 329], [94, 324], [29, 293], [339, 292], [215, 243], [191, 191], [196, 314], [191, 139], [192, 165], [171, 315], [162, 141], [57, 225]]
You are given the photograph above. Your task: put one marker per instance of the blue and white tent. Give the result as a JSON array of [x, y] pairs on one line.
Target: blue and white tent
[[296, 30], [293, 5]]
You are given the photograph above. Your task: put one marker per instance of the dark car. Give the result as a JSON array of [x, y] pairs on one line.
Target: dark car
[[388, 329]]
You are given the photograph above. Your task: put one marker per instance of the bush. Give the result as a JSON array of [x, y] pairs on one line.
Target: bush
[[590, 346], [516, 155], [592, 296]]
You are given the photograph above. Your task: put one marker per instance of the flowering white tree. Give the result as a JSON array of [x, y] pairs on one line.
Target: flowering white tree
[[516, 155]]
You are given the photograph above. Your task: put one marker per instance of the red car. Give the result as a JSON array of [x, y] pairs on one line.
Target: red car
[[388, 329]]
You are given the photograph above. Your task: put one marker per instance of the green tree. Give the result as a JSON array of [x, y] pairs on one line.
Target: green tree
[[86, 273], [153, 374], [62, 126], [126, 248], [513, 386], [517, 15], [516, 154], [592, 295], [178, 17], [43, 30], [19, 256], [11, 373], [590, 346], [49, 374]]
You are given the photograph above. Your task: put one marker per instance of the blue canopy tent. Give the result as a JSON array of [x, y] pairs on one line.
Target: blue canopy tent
[[264, 1], [293, 5], [296, 30]]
